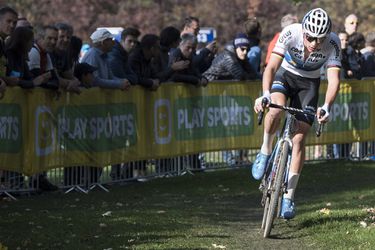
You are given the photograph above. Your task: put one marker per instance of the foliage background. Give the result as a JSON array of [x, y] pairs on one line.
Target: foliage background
[[150, 16]]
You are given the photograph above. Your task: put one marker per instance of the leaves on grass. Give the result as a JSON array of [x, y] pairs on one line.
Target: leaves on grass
[[119, 204], [363, 224], [161, 212], [219, 246], [102, 225], [325, 211]]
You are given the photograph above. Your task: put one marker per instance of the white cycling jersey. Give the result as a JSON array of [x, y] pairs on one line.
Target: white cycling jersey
[[290, 47]]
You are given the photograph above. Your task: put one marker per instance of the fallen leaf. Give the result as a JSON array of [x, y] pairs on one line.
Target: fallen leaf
[[325, 211], [102, 225], [119, 204], [363, 224], [219, 246], [329, 204], [161, 212], [108, 213]]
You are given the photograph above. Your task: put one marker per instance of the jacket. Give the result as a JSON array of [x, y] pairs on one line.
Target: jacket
[[226, 66]]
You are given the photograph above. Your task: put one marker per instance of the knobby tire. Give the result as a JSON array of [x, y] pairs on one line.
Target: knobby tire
[[276, 188]]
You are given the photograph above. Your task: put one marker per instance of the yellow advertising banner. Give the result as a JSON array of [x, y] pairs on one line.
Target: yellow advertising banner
[[40, 131]]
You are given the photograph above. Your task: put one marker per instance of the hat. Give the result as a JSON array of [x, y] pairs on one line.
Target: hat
[[82, 69], [241, 40], [100, 35]]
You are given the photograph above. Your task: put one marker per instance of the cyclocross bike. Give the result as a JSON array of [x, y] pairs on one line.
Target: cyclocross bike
[[275, 181]]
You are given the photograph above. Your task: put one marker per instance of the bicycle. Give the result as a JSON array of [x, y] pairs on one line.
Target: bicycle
[[275, 181]]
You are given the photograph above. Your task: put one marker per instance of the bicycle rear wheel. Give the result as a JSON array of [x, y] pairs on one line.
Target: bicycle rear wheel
[[281, 164]]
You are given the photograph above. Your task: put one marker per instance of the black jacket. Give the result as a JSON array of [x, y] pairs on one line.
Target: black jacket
[[17, 67], [227, 66], [189, 75], [142, 67]]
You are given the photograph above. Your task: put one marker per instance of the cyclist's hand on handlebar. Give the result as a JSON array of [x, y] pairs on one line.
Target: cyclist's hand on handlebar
[[322, 114], [258, 106]]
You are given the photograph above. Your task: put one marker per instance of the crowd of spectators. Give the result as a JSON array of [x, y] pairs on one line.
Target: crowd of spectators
[[53, 57]]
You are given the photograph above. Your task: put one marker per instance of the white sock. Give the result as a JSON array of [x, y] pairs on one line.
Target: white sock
[[292, 185], [267, 144]]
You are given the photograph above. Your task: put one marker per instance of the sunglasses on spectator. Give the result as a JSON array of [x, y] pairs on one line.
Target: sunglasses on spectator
[[311, 39], [243, 49]]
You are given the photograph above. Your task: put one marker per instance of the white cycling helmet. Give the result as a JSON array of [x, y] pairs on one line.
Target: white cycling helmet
[[317, 23]]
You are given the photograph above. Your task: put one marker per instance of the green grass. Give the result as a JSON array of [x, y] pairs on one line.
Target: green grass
[[209, 210]]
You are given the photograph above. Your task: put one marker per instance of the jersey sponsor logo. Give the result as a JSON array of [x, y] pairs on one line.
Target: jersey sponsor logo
[[337, 49], [296, 53], [283, 38]]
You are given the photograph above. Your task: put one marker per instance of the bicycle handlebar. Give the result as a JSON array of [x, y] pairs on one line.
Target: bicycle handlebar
[[291, 111]]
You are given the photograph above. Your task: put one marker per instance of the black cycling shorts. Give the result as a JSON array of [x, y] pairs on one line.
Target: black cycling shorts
[[303, 92]]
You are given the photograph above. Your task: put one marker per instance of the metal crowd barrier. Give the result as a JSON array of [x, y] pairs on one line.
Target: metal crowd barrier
[[85, 178]]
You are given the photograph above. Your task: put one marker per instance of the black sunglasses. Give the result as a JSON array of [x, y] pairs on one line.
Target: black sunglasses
[[310, 39], [244, 49]]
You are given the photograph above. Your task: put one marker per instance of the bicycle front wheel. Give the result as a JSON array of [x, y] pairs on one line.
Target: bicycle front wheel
[[281, 164]]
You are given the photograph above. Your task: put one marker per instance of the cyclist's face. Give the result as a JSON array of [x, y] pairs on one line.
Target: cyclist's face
[[312, 43]]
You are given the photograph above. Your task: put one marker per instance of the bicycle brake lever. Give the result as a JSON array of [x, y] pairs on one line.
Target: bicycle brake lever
[[261, 114], [320, 128]]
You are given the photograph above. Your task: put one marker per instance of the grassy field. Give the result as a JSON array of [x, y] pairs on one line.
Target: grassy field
[[211, 210]]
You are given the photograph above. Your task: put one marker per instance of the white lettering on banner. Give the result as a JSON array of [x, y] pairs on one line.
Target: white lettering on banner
[[216, 116], [197, 118], [352, 111], [96, 127], [9, 126]]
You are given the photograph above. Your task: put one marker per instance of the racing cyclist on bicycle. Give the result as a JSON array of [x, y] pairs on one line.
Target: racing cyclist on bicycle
[[301, 51]]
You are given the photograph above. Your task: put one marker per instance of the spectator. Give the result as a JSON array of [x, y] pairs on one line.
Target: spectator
[[351, 24], [97, 56], [356, 42], [204, 58], [368, 54], [232, 63], [8, 20], [185, 52], [59, 55], [84, 73], [118, 57], [285, 21], [169, 40], [253, 30], [17, 49], [140, 61], [191, 25]]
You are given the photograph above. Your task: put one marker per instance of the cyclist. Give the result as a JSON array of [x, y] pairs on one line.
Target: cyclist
[[301, 51]]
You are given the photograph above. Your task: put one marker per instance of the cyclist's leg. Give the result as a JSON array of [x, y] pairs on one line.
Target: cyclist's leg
[[279, 93], [272, 122], [306, 98]]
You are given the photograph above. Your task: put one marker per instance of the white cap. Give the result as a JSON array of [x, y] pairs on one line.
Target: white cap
[[100, 35]]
